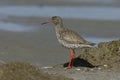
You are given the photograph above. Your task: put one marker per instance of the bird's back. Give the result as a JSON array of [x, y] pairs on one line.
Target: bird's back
[[69, 37]]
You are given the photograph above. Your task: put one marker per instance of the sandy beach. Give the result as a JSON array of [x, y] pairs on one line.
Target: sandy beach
[[24, 39], [39, 46]]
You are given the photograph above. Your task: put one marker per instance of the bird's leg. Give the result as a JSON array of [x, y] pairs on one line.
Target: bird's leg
[[72, 56]]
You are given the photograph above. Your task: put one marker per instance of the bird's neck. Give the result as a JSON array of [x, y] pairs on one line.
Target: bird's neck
[[59, 26]]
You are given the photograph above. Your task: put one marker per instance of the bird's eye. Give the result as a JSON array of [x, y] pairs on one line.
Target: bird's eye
[[53, 18]]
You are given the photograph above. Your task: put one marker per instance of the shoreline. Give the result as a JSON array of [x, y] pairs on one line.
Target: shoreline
[[88, 28]]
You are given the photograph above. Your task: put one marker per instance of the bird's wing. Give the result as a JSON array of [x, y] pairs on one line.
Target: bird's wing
[[71, 37]]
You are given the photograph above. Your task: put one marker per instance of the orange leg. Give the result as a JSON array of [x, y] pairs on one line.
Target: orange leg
[[72, 57]]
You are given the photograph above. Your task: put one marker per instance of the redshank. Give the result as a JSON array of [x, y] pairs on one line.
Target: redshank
[[68, 38]]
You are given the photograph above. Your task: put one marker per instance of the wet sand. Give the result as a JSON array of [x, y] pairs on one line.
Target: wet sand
[[82, 73]]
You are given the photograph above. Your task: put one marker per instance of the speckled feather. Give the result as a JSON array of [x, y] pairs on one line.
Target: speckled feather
[[71, 36], [70, 39]]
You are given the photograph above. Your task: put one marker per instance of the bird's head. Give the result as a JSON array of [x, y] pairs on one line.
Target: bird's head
[[55, 20]]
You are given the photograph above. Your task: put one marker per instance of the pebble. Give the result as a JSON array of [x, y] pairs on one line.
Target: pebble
[[47, 67], [78, 69]]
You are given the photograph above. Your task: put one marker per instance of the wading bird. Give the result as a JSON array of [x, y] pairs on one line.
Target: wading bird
[[68, 38]]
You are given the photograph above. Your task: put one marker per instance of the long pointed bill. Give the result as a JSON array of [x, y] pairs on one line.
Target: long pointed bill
[[49, 21], [44, 23]]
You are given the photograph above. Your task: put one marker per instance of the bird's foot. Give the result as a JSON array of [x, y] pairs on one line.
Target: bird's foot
[[69, 67]]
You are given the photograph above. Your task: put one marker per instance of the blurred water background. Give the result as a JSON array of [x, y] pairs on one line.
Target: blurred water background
[[24, 39]]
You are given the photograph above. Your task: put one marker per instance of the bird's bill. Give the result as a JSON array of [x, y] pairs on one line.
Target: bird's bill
[[49, 21], [44, 23]]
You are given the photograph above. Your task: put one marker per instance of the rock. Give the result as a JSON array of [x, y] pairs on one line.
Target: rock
[[25, 71], [107, 53]]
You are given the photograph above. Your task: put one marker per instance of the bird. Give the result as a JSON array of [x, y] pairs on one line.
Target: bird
[[68, 38]]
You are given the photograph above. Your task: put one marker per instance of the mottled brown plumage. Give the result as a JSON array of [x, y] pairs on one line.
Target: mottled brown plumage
[[68, 38]]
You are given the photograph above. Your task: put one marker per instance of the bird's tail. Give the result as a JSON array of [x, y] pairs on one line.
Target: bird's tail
[[92, 44], [89, 43]]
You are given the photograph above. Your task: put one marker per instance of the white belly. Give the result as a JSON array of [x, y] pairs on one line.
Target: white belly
[[70, 45]]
